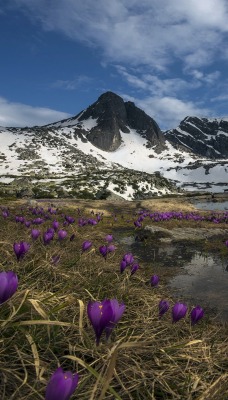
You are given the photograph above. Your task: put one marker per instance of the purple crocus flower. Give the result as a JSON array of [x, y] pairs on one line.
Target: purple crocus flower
[[61, 385], [111, 248], [35, 233], [20, 249], [5, 213], [104, 316], [62, 234], [137, 224], [103, 251], [38, 221], [128, 258], [118, 310], [134, 268], [179, 311], [69, 219], [82, 222], [92, 221], [55, 225], [109, 238], [226, 243], [19, 219], [86, 245], [196, 314], [8, 285], [163, 307], [154, 280], [27, 224], [47, 237], [123, 266]]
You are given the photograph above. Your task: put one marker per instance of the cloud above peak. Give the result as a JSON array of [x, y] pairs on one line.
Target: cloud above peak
[[126, 31]]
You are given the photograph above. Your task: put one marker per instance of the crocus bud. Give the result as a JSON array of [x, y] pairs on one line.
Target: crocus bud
[[123, 265], [27, 224], [20, 249], [163, 306], [69, 219], [154, 280], [38, 221], [196, 314], [8, 285], [134, 268], [35, 233], [47, 237], [111, 248], [179, 311], [128, 258], [61, 385], [62, 234], [86, 245], [108, 238], [137, 224], [55, 225], [103, 250]]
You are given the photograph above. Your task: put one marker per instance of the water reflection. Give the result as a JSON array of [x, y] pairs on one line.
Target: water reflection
[[199, 277], [211, 205]]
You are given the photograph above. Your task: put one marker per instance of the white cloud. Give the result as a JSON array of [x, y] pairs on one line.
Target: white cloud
[[208, 78], [148, 32], [157, 85], [168, 111], [21, 115]]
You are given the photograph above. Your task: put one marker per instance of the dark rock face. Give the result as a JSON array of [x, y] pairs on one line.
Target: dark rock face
[[113, 115], [202, 136], [139, 120]]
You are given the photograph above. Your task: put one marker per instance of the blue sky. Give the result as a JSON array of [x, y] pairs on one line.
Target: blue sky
[[58, 56]]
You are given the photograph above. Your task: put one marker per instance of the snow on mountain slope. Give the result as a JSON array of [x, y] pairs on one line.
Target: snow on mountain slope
[[57, 152], [114, 146], [61, 157]]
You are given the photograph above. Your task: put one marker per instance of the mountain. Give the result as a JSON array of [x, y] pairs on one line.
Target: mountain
[[202, 136], [113, 148], [102, 123]]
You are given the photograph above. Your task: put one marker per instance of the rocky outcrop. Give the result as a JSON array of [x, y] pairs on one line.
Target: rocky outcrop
[[145, 125], [204, 137], [179, 234], [112, 116]]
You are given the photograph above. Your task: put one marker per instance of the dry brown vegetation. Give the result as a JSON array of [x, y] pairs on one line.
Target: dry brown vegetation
[[45, 324]]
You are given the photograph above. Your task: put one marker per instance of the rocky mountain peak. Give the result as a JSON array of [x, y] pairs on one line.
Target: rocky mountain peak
[[202, 136], [114, 116]]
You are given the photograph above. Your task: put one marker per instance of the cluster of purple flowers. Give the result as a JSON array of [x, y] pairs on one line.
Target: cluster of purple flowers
[[103, 315], [179, 311], [215, 217], [128, 260]]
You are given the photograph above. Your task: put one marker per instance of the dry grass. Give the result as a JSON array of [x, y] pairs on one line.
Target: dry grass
[[45, 324]]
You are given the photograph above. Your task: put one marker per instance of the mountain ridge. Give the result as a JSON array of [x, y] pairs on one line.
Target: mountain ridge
[[114, 147]]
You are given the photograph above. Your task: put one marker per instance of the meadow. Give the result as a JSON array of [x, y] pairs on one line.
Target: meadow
[[74, 259]]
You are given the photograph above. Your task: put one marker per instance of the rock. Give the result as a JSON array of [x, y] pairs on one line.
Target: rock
[[186, 233], [112, 115], [205, 137]]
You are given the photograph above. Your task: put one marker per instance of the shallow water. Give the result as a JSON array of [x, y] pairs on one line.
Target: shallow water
[[198, 277], [211, 205], [205, 280]]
